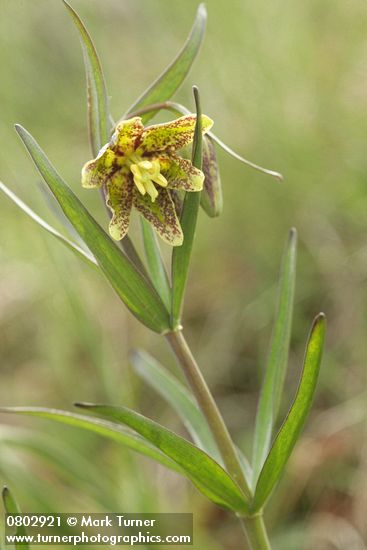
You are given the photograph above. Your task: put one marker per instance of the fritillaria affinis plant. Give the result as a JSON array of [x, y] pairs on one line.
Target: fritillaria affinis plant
[[146, 168]]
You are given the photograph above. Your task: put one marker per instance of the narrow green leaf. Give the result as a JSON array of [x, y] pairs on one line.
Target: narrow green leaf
[[245, 464], [294, 422], [172, 77], [11, 507], [10, 503], [99, 118], [179, 397], [133, 289], [235, 155], [273, 383], [98, 112], [155, 262], [129, 439], [69, 462], [179, 109], [200, 468], [181, 400], [82, 254], [181, 254], [54, 208]]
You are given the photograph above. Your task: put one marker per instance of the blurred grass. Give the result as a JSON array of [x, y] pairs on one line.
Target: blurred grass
[[285, 83]]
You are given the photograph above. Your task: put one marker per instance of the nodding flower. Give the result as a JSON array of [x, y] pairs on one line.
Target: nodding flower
[[139, 167]]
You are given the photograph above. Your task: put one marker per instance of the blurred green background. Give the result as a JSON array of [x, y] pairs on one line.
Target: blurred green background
[[286, 85]]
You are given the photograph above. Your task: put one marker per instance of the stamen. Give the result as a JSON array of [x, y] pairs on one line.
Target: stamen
[[151, 190], [145, 164], [138, 179], [160, 179], [146, 172]]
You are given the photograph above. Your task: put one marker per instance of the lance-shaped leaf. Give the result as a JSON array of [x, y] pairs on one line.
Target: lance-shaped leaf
[[155, 263], [181, 255], [99, 119], [294, 422], [178, 396], [179, 109], [249, 163], [98, 112], [172, 77], [181, 400], [11, 507], [272, 387], [133, 289], [201, 469], [82, 254], [54, 208], [68, 461], [116, 432]]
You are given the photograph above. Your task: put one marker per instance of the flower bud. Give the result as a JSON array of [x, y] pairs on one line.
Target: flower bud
[[211, 195]]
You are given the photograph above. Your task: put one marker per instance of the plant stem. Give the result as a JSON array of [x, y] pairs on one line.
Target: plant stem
[[209, 408], [253, 526], [255, 531]]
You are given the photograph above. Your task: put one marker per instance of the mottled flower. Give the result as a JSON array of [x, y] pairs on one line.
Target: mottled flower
[[139, 167]]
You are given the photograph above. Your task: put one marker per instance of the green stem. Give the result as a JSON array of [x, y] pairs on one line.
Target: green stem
[[253, 526], [209, 408], [255, 530]]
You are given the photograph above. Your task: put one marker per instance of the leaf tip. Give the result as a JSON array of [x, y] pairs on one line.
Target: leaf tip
[[134, 355], [5, 492], [319, 326], [195, 91], [67, 5], [21, 131], [320, 318], [81, 405], [293, 235], [84, 405], [202, 11]]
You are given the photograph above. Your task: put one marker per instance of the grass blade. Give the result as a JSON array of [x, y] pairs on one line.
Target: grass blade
[[273, 383], [179, 397], [98, 112], [11, 507], [82, 254], [156, 265], [294, 422], [203, 471], [133, 289], [172, 77], [121, 435], [181, 255]]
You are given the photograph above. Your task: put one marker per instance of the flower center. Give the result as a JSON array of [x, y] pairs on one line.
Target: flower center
[[146, 173]]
